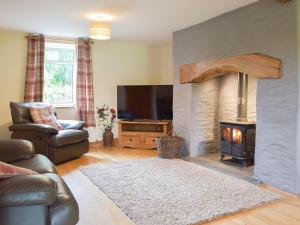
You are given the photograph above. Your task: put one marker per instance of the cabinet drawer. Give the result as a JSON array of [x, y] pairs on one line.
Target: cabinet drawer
[[149, 140], [131, 139]]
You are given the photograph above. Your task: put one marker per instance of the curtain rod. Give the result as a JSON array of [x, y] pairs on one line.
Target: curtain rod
[[88, 39], [59, 38], [31, 35]]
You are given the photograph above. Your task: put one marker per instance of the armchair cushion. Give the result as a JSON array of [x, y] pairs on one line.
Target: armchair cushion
[[33, 127], [20, 112], [14, 150], [28, 190], [72, 124], [7, 170], [44, 115], [67, 137]]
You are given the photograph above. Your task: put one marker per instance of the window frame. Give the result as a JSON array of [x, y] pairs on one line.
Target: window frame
[[59, 45]]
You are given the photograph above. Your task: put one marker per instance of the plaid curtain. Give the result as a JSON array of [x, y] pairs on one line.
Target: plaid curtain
[[84, 86], [34, 80]]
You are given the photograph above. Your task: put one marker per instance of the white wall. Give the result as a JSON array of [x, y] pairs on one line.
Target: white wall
[[114, 63], [166, 64], [13, 47], [122, 63]]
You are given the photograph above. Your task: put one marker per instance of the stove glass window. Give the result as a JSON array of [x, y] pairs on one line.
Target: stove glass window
[[236, 136], [226, 135]]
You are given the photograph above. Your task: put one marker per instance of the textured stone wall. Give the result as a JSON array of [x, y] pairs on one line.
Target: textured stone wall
[[228, 97], [204, 117], [268, 27], [211, 102]]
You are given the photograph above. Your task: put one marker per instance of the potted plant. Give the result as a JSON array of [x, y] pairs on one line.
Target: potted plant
[[106, 118]]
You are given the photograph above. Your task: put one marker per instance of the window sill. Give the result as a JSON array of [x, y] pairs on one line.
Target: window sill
[[64, 106]]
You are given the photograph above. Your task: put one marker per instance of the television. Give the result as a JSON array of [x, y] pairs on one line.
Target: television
[[142, 102]]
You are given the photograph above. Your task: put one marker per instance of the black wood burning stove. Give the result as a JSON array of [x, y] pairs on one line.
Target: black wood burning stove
[[238, 141], [238, 137]]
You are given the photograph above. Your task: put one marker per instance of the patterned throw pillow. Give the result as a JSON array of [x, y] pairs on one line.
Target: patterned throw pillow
[[44, 115], [7, 170]]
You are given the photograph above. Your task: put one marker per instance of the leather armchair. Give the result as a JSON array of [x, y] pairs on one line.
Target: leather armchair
[[58, 146], [42, 199]]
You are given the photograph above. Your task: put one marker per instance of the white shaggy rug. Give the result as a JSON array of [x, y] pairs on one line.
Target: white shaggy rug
[[173, 192]]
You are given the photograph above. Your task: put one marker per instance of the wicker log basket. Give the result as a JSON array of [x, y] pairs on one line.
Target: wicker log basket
[[168, 146]]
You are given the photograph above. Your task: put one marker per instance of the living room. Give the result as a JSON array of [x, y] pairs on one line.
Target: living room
[[145, 112]]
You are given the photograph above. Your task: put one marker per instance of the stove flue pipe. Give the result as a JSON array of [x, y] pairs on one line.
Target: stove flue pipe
[[242, 100]]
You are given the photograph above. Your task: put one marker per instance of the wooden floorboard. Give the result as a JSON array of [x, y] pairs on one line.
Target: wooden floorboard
[[97, 209]]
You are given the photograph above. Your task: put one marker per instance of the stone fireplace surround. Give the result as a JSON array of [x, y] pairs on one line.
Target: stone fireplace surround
[[266, 26], [216, 101]]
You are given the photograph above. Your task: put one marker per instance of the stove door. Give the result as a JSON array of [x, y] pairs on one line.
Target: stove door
[[238, 141], [225, 138]]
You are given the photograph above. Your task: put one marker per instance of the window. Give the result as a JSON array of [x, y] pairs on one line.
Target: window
[[60, 74]]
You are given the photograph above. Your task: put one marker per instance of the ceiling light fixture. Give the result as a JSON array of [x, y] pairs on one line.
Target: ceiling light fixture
[[100, 17], [100, 30]]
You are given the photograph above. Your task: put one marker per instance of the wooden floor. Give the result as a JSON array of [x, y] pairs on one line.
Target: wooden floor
[[97, 209]]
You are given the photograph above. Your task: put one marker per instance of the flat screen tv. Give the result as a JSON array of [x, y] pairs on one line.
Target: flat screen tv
[[153, 102]]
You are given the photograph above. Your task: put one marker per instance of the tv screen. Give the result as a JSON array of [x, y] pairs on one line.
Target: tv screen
[[153, 102]]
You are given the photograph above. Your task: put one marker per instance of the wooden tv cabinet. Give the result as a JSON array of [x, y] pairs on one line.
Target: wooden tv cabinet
[[142, 133]]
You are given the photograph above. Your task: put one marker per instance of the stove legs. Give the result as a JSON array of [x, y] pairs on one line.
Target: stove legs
[[244, 162], [222, 157], [248, 162]]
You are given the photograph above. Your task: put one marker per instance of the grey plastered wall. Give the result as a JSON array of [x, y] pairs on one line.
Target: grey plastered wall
[[298, 60], [268, 27]]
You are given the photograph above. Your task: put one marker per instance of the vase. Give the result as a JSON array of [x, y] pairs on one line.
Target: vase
[[108, 137]]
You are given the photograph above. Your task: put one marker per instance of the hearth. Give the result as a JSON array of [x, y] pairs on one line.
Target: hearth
[[238, 140]]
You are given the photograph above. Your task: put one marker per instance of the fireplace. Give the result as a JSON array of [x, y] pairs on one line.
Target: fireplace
[[238, 140], [227, 101]]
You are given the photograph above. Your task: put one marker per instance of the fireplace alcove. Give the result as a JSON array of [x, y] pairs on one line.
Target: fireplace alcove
[[217, 100]]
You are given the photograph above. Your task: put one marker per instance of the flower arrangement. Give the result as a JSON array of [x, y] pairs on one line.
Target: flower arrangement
[[106, 116]]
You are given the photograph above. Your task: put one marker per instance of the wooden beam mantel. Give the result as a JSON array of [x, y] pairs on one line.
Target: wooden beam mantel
[[284, 1], [255, 64]]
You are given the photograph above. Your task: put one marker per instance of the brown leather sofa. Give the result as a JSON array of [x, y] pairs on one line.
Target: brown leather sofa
[[58, 146], [42, 199]]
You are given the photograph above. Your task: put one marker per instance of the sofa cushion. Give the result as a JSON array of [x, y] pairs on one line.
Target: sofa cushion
[[65, 210], [67, 137], [7, 170], [38, 163], [27, 191], [44, 115], [14, 150]]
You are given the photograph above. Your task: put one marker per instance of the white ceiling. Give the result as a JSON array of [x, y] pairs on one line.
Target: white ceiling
[[138, 20]]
